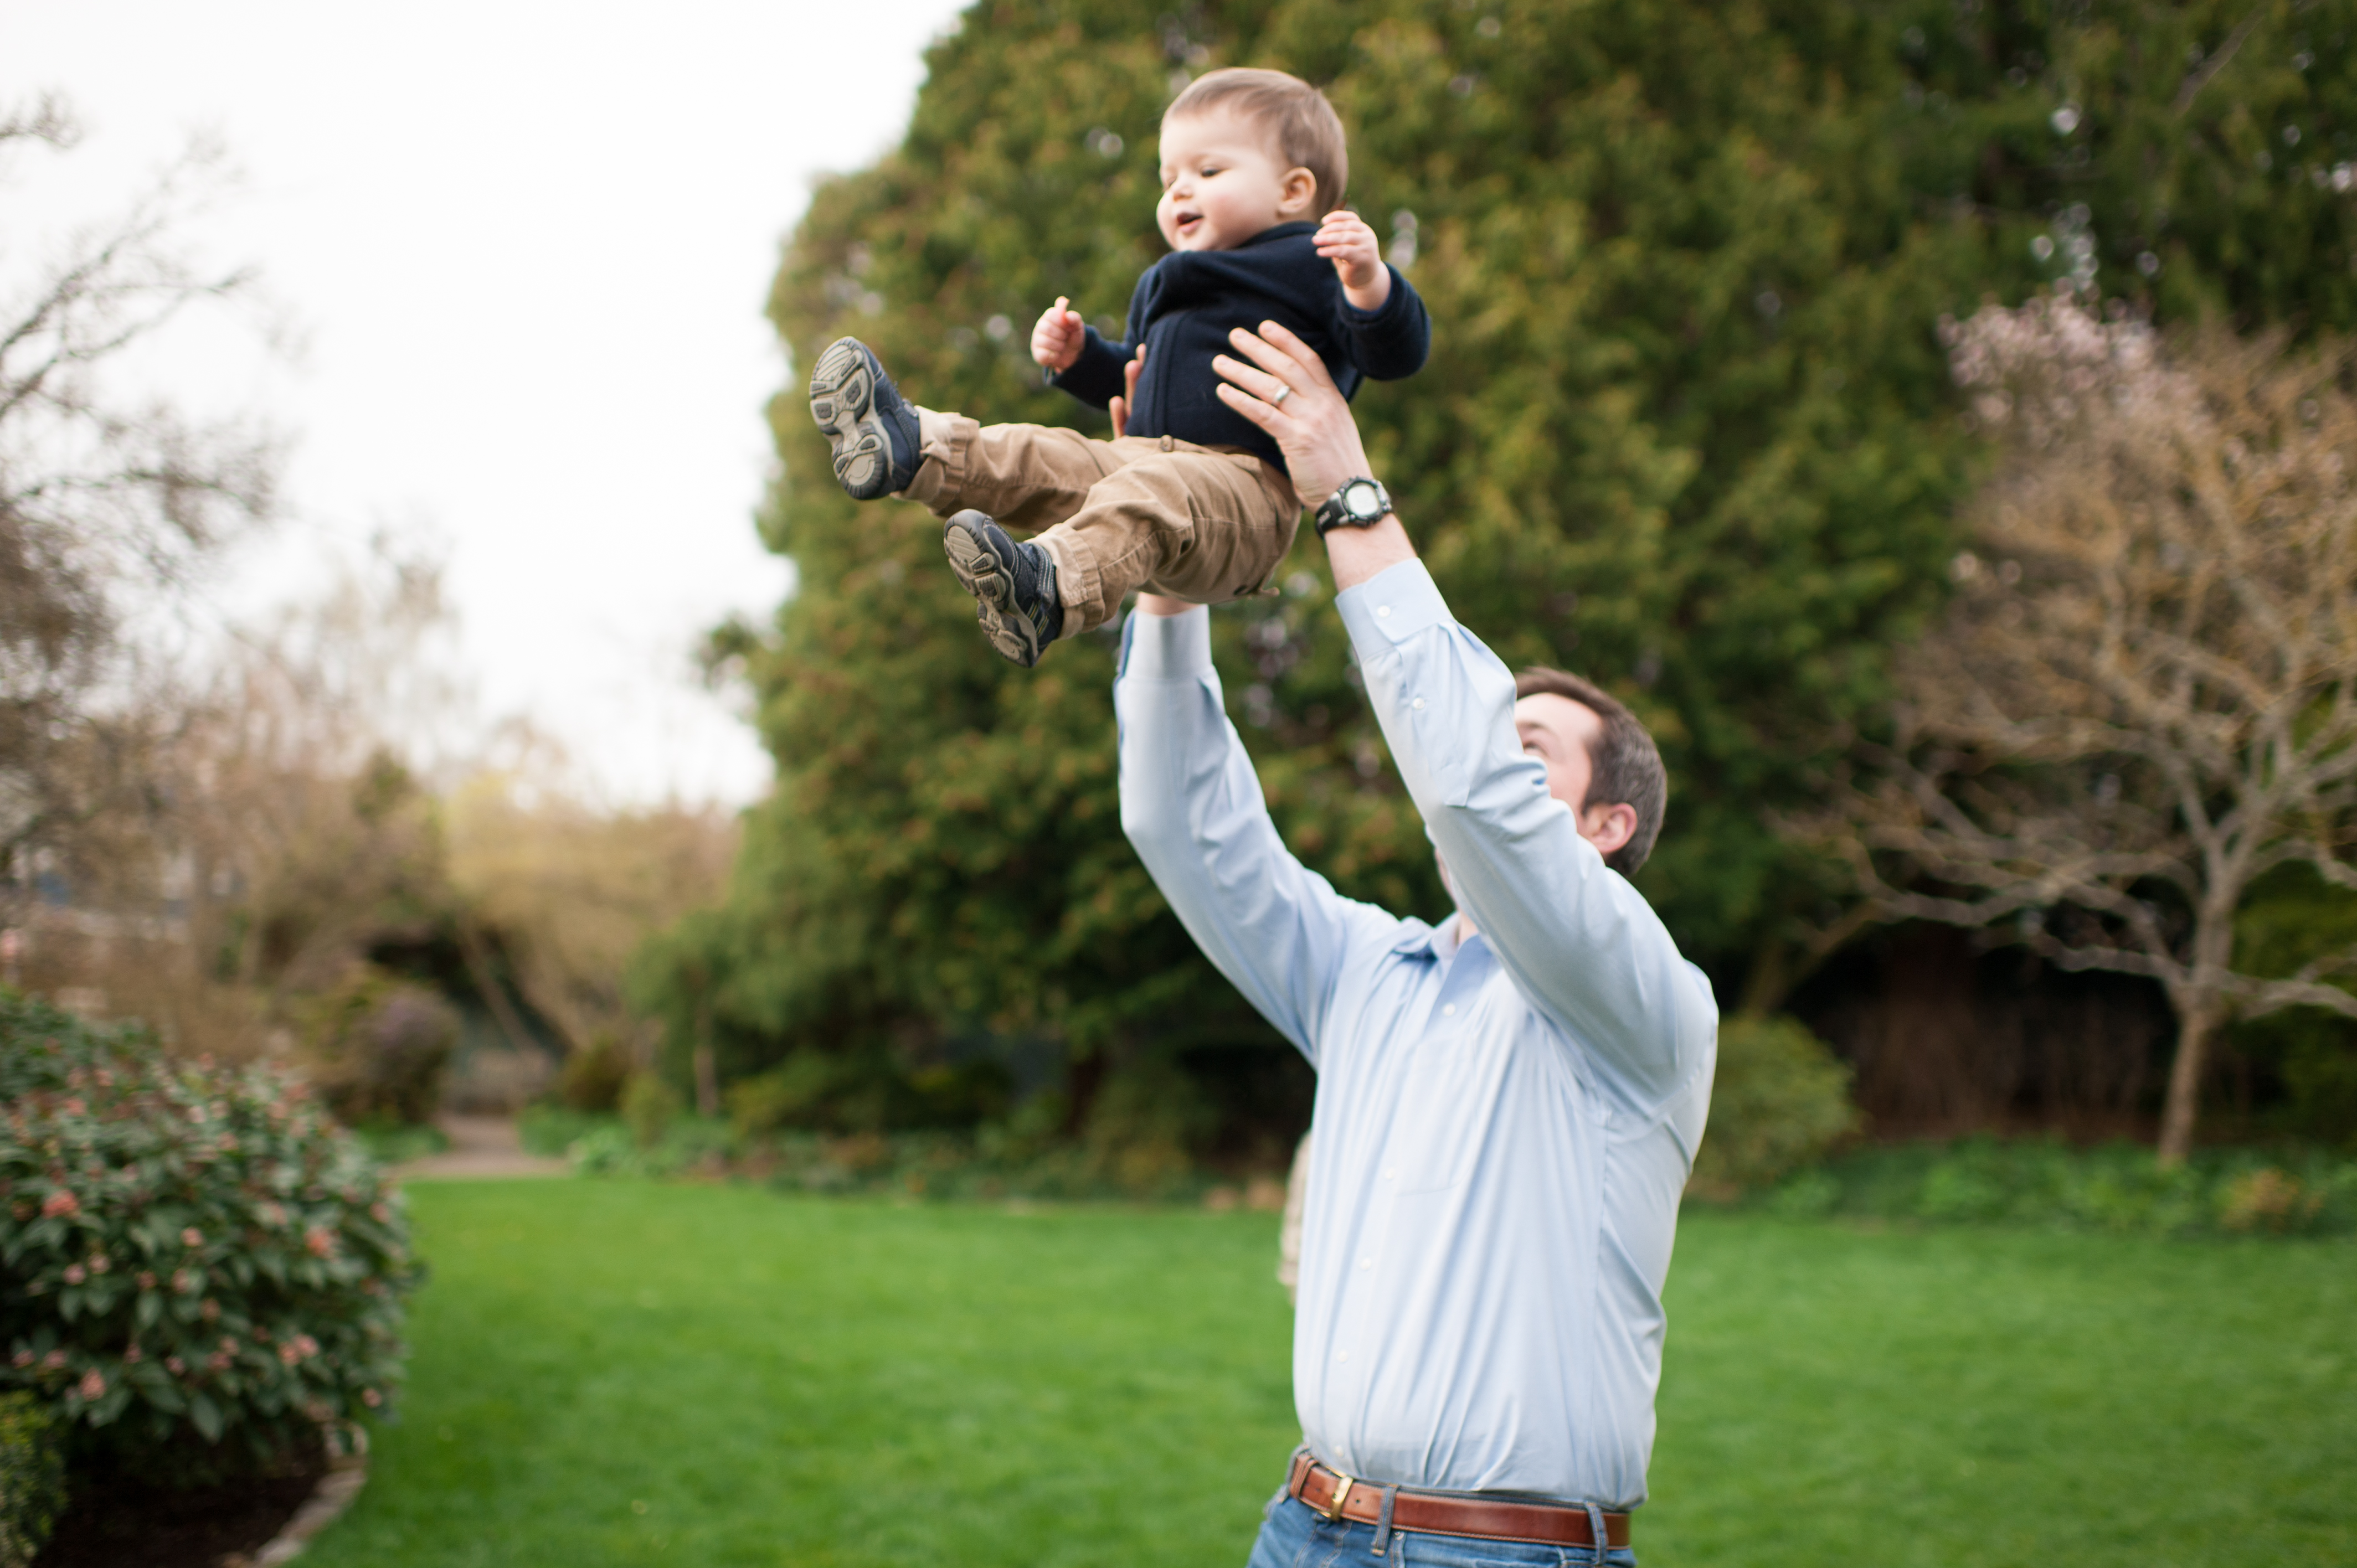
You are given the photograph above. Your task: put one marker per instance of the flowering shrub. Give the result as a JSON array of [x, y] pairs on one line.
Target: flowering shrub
[[32, 1477], [187, 1248]]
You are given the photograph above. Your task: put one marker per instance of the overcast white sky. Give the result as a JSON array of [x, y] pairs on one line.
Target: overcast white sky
[[528, 245]]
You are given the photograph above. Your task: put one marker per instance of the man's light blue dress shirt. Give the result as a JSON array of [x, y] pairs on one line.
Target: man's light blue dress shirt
[[1503, 1127]]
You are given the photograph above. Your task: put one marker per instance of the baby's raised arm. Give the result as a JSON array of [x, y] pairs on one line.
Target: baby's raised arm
[[1345, 240], [1056, 341]]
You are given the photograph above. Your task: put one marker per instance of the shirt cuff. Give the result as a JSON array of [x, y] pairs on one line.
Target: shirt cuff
[[1166, 647], [1390, 607]]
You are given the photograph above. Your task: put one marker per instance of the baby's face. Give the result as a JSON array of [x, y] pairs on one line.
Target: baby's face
[[1223, 183]]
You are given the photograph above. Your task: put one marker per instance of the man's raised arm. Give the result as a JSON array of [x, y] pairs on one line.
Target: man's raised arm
[[1577, 939], [1192, 807]]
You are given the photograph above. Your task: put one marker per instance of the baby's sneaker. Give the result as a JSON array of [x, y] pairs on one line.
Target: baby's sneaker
[[1014, 586], [870, 425]]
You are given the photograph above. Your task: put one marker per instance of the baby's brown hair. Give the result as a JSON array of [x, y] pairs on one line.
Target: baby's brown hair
[[1308, 133]]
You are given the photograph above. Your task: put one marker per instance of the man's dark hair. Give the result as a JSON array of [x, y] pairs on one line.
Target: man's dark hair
[[1624, 767]]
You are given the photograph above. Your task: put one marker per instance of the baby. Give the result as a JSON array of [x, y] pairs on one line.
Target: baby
[[1192, 500]]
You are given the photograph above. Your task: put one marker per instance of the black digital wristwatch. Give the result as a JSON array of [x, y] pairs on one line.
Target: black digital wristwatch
[[1357, 503]]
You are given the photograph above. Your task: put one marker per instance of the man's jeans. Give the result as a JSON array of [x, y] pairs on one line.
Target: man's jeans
[[1298, 1536]]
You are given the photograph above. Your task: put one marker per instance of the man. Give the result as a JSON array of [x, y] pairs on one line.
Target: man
[[1507, 1104]]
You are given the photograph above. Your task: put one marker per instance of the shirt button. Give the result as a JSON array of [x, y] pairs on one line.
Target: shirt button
[[1341, 1355], [1418, 703], [1366, 1263], [1383, 611], [1390, 1171], [1448, 1010]]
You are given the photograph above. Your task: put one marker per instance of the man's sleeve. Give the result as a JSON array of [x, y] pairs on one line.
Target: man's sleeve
[[1191, 805], [1391, 341], [1578, 942]]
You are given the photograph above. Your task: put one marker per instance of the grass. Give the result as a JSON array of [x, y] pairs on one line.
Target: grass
[[625, 1372]]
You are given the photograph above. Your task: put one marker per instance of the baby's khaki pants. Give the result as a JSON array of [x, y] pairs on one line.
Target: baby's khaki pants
[[1145, 512]]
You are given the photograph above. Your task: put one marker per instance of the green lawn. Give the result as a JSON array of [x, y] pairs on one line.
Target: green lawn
[[611, 1372]]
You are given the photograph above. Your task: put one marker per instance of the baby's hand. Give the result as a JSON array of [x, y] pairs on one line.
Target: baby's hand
[[1056, 341], [1345, 240]]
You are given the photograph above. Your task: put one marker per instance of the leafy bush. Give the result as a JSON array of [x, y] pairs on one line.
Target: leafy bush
[[190, 1250], [397, 1142], [592, 1078], [650, 1105], [1781, 1101], [551, 1130], [32, 1477], [378, 1048], [865, 1092], [2120, 1188]]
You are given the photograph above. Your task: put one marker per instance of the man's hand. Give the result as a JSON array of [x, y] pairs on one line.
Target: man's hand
[[1345, 240], [1056, 342], [1121, 406], [1287, 391]]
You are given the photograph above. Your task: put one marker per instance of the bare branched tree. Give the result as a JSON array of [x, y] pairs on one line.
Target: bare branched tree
[[108, 503], [2143, 696]]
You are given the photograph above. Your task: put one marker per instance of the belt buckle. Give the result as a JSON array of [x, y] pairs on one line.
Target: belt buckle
[[1334, 1508]]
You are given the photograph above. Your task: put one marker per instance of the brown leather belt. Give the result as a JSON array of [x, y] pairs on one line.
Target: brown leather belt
[[1447, 1513]]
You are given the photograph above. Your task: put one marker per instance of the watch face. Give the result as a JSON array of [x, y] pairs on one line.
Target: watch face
[[1362, 499]]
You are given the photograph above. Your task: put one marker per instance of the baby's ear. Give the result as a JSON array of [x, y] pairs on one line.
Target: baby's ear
[[1300, 191]]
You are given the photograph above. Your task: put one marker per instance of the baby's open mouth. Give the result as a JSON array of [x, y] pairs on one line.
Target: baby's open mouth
[[1188, 222]]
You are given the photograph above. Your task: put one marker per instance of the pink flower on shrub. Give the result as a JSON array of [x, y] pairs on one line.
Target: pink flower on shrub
[[218, 1361], [93, 1385], [59, 1202], [106, 1078], [146, 1280], [54, 1361], [133, 1355], [379, 1212], [370, 1398], [272, 1214], [22, 1359], [288, 1353], [192, 1237], [211, 1310], [100, 1262], [228, 1345], [181, 1282], [74, 1274], [74, 1107], [306, 1347], [175, 1365], [320, 1240]]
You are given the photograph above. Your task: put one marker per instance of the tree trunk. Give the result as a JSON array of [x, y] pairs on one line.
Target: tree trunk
[[707, 1074], [2194, 1025]]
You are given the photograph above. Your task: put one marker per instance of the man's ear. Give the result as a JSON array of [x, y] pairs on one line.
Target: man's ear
[[1609, 828], [1299, 189]]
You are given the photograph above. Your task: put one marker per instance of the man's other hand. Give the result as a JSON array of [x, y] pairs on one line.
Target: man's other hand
[[1121, 406], [1056, 341]]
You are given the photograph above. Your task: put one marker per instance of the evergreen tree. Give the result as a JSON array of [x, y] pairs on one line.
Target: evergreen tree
[[1687, 428]]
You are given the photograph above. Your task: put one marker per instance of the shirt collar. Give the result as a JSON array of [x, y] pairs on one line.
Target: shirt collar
[[1279, 232], [1440, 942]]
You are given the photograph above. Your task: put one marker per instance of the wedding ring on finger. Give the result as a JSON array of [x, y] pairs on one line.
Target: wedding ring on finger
[[1282, 394]]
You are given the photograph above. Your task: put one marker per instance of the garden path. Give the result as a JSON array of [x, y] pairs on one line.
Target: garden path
[[479, 1146]]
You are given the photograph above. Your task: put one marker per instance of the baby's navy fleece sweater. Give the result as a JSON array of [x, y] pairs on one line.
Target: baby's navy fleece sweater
[[1186, 303]]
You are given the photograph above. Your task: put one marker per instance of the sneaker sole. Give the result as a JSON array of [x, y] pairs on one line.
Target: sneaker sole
[[843, 402], [980, 572]]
